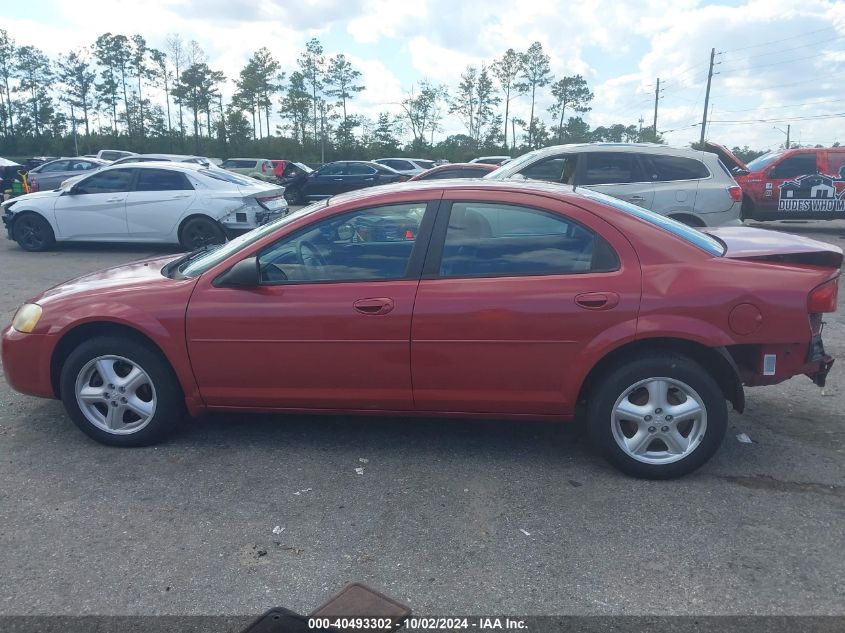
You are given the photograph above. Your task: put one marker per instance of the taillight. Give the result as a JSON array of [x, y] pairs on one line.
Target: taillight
[[736, 193], [823, 298]]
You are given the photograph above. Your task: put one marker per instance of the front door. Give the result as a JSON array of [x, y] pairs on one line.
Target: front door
[[788, 187], [157, 202], [325, 182], [95, 208], [329, 326], [508, 315]]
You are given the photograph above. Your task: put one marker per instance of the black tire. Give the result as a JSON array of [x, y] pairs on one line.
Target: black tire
[[199, 232], [166, 393], [747, 210], [294, 196], [33, 232], [610, 389]]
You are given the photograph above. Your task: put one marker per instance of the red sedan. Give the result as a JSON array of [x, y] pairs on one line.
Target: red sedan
[[456, 170], [499, 299]]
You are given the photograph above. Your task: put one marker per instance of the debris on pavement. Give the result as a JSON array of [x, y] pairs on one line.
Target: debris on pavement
[[363, 460], [526, 532], [299, 492], [360, 471], [744, 439], [278, 529]]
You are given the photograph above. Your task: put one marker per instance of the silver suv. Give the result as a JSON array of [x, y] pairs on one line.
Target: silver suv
[[687, 185]]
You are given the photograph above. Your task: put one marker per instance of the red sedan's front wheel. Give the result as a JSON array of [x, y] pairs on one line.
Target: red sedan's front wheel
[[658, 417]]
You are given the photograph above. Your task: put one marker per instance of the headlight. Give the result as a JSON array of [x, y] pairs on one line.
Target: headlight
[[27, 317]]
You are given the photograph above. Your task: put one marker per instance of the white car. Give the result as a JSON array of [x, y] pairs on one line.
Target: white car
[[687, 185], [407, 166], [492, 160], [166, 202]]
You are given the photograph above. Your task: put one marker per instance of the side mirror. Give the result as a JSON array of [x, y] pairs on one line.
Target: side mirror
[[244, 274], [72, 191], [517, 177]]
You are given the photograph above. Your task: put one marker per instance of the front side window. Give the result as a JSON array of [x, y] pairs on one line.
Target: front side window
[[161, 180], [364, 245], [425, 164], [111, 181], [397, 164], [332, 169], [82, 165], [610, 168], [489, 239], [59, 165], [794, 166], [660, 167]]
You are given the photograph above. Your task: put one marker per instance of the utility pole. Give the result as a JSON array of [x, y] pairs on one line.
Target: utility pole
[[707, 96], [787, 135], [73, 125], [640, 136], [656, 98]]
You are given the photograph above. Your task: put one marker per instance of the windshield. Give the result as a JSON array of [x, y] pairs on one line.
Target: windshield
[[761, 162], [688, 233], [201, 261], [512, 166], [304, 167]]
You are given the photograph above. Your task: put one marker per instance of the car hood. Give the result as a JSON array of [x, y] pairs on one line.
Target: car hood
[[133, 276], [728, 157], [47, 193], [761, 244]]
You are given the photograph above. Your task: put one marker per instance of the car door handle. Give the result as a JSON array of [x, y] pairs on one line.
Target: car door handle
[[597, 300], [375, 306], [114, 199], [636, 199], [181, 195], [338, 179]]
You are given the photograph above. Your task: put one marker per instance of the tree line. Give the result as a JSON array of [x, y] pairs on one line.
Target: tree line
[[121, 93]]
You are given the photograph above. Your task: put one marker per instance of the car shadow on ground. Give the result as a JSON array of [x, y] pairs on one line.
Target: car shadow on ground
[[802, 227]]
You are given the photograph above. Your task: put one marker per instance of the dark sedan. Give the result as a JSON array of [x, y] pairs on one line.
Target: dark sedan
[[340, 176], [456, 170]]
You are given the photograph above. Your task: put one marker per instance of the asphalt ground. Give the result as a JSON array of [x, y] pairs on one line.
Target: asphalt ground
[[451, 517]]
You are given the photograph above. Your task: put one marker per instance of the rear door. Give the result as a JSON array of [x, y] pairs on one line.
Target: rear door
[[50, 176], [675, 181], [358, 176], [515, 295], [95, 208], [617, 174], [158, 200]]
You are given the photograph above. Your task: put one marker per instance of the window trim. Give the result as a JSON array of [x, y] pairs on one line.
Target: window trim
[[709, 175], [774, 167], [413, 269], [133, 178], [434, 256]]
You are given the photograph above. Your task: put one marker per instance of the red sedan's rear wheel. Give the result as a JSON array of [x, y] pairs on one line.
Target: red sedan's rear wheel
[[658, 417]]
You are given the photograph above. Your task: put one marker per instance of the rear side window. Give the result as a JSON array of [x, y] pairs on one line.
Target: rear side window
[[332, 169], [425, 164], [691, 235], [488, 239], [607, 168], [397, 164], [161, 180], [225, 176], [667, 168], [836, 163], [357, 169], [794, 166]]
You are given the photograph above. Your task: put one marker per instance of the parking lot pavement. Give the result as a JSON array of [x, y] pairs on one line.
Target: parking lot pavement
[[448, 516]]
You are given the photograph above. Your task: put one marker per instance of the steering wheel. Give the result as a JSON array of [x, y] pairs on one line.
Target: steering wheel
[[273, 274], [309, 255]]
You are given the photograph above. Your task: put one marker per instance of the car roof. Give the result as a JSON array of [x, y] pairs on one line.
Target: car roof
[[247, 158], [160, 164], [562, 192], [165, 156], [648, 148], [445, 166]]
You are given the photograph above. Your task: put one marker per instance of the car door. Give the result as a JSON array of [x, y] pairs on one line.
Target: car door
[[358, 176], [517, 296], [786, 189], [325, 182], [49, 176], [676, 181], [329, 326], [95, 207], [157, 202], [617, 174]]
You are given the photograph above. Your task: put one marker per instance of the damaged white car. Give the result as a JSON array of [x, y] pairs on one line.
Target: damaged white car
[[165, 202]]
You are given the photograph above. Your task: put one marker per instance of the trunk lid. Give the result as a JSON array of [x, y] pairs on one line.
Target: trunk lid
[[727, 157], [761, 244]]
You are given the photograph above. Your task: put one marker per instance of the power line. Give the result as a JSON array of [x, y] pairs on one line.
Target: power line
[[779, 40], [782, 119], [786, 61], [791, 105], [786, 85], [784, 50]]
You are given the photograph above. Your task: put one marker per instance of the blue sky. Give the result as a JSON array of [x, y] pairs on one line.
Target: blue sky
[[779, 62]]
